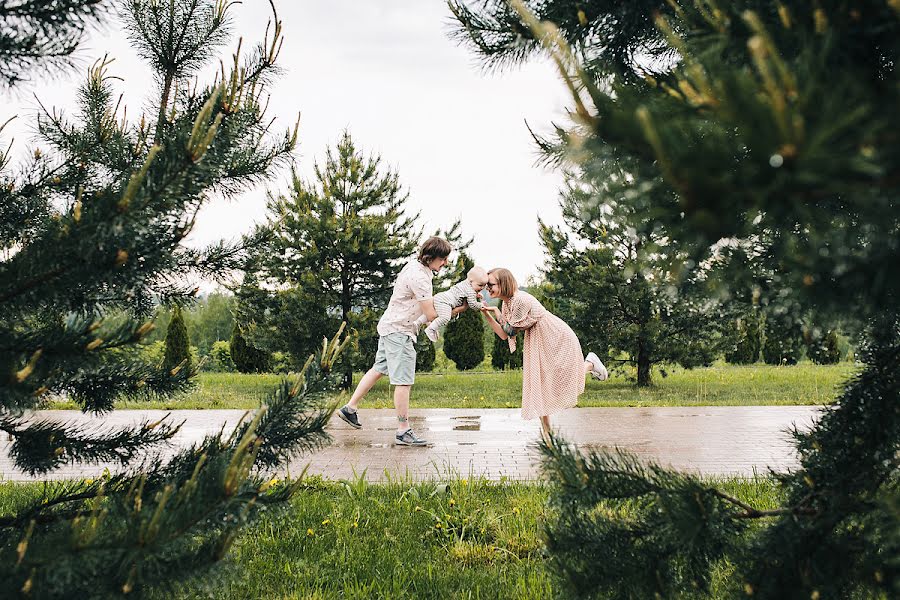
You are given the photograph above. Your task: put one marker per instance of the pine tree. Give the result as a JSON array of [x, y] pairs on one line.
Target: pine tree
[[43, 35], [246, 357], [464, 336], [760, 123], [91, 232], [616, 287], [339, 242], [178, 344]]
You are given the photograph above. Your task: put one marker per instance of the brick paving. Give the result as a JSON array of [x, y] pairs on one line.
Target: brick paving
[[497, 443]]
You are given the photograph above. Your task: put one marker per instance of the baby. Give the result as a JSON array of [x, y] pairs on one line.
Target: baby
[[462, 292]]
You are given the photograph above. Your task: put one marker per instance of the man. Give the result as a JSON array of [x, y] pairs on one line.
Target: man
[[397, 330]]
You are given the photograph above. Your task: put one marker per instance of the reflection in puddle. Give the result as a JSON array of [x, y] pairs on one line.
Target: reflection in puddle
[[354, 443], [468, 427], [472, 423]]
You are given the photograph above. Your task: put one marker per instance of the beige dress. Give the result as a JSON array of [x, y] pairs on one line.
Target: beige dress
[[552, 362]]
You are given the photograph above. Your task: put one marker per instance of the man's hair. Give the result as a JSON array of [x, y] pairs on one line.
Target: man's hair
[[434, 247], [507, 282]]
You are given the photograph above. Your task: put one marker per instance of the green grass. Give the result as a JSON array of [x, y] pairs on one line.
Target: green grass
[[352, 539], [476, 540], [720, 384]]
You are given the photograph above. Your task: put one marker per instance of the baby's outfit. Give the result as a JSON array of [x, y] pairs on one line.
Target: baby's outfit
[[445, 302]]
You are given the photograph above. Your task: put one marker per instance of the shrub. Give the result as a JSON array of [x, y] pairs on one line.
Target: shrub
[[783, 344], [425, 353], [178, 346], [824, 350], [747, 341], [247, 358]]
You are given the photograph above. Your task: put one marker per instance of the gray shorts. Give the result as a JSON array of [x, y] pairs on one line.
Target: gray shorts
[[396, 358]]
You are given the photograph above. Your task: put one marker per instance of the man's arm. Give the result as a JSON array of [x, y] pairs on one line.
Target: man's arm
[[427, 307]]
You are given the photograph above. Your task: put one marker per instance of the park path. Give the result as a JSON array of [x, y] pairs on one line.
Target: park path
[[497, 443]]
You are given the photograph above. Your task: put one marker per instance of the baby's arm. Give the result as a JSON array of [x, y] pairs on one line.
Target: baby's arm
[[472, 299]]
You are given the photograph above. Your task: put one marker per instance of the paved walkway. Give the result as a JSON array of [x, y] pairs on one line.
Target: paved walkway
[[496, 443]]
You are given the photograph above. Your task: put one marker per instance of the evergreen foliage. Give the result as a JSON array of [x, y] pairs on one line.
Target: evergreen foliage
[[615, 284], [43, 35], [824, 350], [220, 357], [464, 336], [178, 345], [337, 245], [767, 127], [246, 357], [91, 232], [747, 340], [425, 354], [502, 358], [783, 343]]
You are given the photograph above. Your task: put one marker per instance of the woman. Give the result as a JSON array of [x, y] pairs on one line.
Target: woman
[[553, 366]]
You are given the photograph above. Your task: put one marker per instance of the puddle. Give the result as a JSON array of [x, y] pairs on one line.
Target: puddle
[[471, 423], [468, 427]]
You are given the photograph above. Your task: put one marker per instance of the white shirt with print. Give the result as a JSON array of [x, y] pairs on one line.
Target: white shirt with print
[[413, 285]]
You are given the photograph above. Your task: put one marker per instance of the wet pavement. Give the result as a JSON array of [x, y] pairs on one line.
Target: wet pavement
[[497, 443]]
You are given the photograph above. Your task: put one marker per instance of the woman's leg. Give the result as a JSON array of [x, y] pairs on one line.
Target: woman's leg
[[588, 367], [545, 424]]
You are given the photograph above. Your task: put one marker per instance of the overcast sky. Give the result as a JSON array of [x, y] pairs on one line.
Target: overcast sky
[[386, 71]]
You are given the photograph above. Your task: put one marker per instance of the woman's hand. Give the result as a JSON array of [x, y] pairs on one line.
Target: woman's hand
[[492, 311]]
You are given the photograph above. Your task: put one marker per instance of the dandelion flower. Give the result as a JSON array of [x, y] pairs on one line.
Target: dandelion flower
[[326, 521], [310, 532]]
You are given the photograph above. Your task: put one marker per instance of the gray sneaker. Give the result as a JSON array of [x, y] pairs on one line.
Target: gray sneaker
[[408, 438], [351, 418]]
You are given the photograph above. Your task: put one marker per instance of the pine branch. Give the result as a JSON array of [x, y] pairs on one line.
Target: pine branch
[[43, 446]]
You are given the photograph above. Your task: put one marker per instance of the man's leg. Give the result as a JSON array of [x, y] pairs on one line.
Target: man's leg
[[365, 384], [401, 404]]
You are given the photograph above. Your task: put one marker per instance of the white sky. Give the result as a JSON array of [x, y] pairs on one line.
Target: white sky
[[387, 71]]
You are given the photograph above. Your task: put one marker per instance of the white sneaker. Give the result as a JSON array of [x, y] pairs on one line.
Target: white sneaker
[[598, 370], [431, 334]]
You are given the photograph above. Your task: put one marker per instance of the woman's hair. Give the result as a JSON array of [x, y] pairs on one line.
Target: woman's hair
[[508, 285], [434, 247]]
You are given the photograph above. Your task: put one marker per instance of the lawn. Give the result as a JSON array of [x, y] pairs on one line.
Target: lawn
[[720, 384], [351, 539]]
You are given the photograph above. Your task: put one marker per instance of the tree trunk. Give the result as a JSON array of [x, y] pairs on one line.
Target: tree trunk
[[643, 367]]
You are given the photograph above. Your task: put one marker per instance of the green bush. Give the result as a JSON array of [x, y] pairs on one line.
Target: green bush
[[178, 346], [783, 344], [824, 350], [747, 341], [220, 357], [425, 353], [502, 358], [247, 358], [464, 340], [280, 363]]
